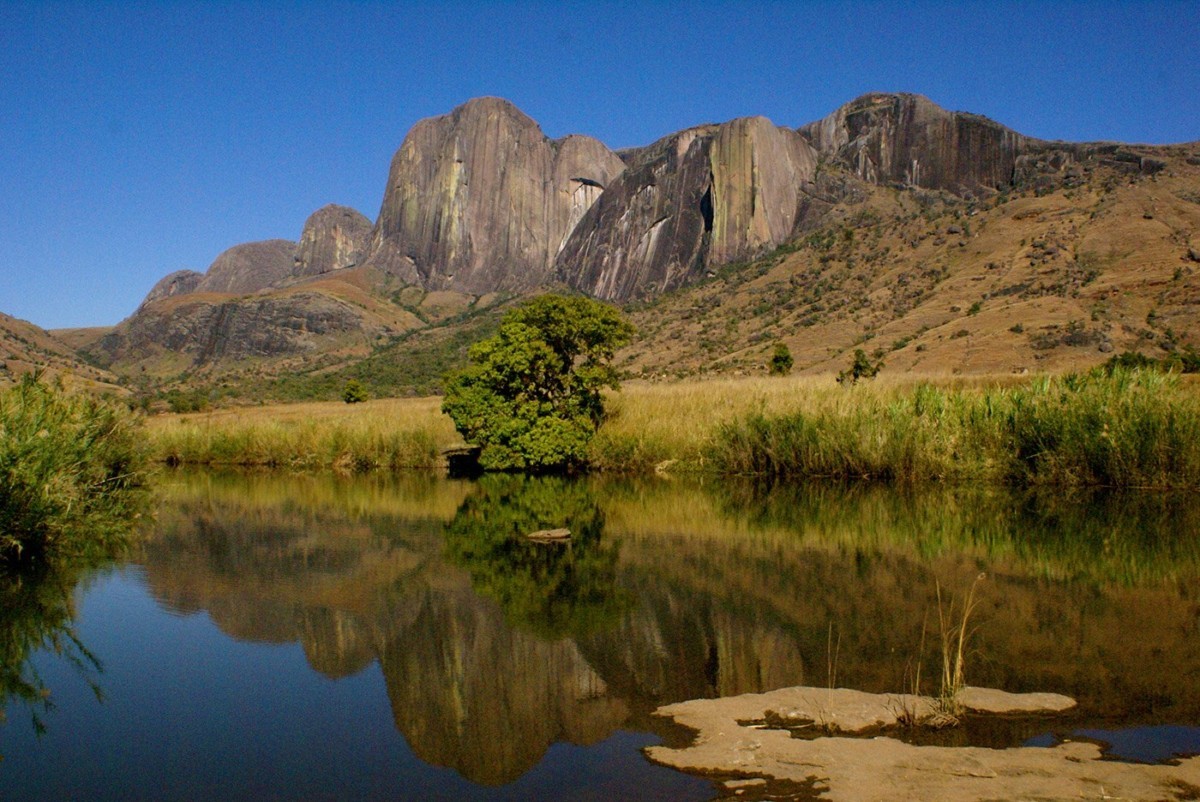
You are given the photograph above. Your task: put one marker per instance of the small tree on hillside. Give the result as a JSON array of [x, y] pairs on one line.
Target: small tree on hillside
[[531, 394], [860, 368], [781, 361], [355, 392]]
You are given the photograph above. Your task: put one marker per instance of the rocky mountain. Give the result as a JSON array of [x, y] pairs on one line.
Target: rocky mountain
[[480, 200], [701, 198], [891, 217], [334, 238]]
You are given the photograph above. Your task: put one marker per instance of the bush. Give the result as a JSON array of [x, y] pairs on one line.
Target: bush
[[72, 471], [860, 368], [354, 393], [781, 361], [531, 394]]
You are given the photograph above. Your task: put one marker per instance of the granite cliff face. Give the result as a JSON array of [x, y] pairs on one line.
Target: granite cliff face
[[334, 238], [480, 200], [908, 141], [181, 282], [695, 200]]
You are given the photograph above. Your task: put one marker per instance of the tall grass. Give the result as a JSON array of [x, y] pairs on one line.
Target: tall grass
[[388, 434], [1130, 429], [72, 472]]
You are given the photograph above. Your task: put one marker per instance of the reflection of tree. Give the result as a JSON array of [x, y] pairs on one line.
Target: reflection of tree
[[38, 616], [552, 589]]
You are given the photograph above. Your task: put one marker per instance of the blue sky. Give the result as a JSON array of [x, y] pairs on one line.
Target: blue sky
[[142, 138]]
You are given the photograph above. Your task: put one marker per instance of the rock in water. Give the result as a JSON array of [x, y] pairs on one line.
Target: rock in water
[[480, 200], [334, 238]]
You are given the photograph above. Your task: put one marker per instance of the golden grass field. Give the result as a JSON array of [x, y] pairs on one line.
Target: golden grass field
[[1139, 428]]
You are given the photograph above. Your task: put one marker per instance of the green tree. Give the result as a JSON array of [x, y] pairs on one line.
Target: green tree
[[860, 368], [781, 361], [354, 393], [530, 396]]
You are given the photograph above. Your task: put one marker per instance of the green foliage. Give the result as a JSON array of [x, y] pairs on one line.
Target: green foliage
[[1186, 360], [72, 471], [1133, 428], [553, 589], [531, 394], [354, 392], [781, 361], [861, 367]]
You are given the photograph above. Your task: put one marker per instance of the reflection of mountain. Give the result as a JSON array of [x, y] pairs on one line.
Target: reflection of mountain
[[486, 699], [493, 648]]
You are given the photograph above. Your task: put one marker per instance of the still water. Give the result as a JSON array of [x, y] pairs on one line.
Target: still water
[[276, 637]]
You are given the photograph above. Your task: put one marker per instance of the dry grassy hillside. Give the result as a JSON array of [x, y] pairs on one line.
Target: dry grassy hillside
[[934, 284], [24, 348]]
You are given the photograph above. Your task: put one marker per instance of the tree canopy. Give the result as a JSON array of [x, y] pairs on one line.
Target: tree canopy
[[531, 395]]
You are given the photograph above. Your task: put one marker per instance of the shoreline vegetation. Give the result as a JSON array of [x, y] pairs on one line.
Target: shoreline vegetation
[[1124, 428], [72, 473]]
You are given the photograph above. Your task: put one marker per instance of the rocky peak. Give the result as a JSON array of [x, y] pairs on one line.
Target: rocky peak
[[907, 139], [699, 198], [334, 237], [250, 267], [480, 199], [180, 282]]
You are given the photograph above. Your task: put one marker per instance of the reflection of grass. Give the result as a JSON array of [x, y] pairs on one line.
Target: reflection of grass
[[1107, 537], [38, 614]]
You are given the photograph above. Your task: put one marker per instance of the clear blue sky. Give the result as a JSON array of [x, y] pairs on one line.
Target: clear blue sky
[[142, 138]]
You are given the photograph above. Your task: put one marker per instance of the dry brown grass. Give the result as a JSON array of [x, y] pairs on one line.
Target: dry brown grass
[[387, 433]]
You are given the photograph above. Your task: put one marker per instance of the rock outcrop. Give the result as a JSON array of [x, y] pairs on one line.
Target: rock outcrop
[[250, 267], [700, 198], [206, 329], [480, 199], [334, 238], [181, 282], [909, 140]]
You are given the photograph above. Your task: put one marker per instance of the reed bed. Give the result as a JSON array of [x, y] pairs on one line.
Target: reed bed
[[1129, 429], [384, 434], [1133, 428]]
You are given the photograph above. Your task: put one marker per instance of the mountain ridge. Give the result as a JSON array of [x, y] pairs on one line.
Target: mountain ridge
[[480, 205]]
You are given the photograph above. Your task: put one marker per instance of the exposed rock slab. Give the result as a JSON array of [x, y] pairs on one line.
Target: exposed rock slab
[[249, 267], [864, 770], [696, 199], [181, 282], [334, 238], [480, 200]]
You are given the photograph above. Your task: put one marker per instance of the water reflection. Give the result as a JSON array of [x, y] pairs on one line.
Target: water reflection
[[493, 648], [550, 588], [38, 615]]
